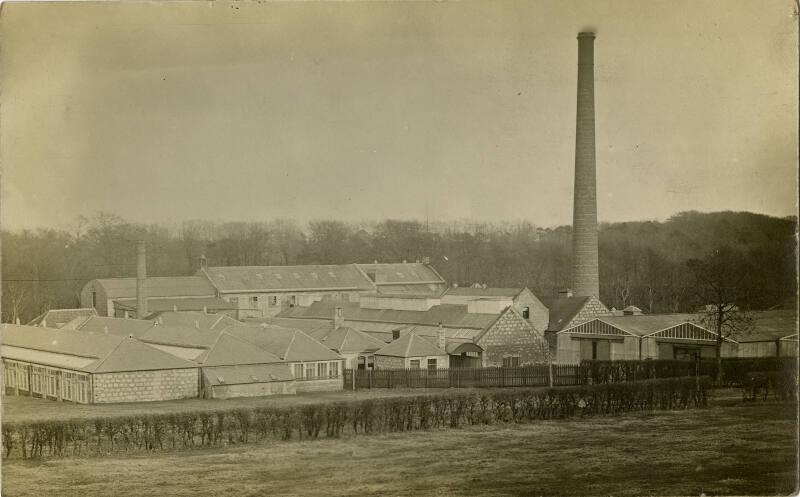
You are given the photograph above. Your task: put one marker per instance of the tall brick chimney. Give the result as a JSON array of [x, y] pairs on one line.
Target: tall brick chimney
[[141, 278], [585, 277]]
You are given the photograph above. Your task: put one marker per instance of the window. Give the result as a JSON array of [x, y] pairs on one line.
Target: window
[[431, 364], [9, 374], [362, 362], [322, 369], [94, 299], [371, 362], [310, 370], [526, 312], [273, 300], [334, 370], [415, 363], [67, 386], [298, 370], [254, 299], [511, 362], [293, 301]]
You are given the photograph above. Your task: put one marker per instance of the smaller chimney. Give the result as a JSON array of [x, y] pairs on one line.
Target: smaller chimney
[[396, 334], [565, 293], [440, 338], [203, 261], [141, 278], [338, 318], [205, 309]]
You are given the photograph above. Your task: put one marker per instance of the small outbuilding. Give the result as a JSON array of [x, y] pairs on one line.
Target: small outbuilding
[[412, 351]]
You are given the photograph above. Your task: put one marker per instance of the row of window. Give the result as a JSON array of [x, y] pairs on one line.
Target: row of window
[[46, 381], [416, 364], [316, 370]]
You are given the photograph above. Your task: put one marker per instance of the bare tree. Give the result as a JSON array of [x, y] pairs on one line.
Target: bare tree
[[721, 286]]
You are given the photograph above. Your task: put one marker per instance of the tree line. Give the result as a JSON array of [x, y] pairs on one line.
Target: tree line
[[643, 263]]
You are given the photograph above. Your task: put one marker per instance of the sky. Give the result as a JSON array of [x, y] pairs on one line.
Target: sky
[[161, 112]]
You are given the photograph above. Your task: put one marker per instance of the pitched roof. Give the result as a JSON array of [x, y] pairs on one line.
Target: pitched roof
[[563, 310], [181, 336], [157, 286], [56, 318], [288, 344], [770, 325], [230, 350], [251, 373], [410, 345], [160, 304], [345, 339], [84, 351], [642, 325], [194, 319], [483, 292], [116, 326], [316, 328], [401, 273], [450, 315], [286, 278]]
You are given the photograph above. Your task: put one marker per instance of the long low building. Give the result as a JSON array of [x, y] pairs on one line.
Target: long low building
[[178, 355]]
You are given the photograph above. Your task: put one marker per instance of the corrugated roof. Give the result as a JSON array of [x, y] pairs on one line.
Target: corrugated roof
[[116, 326], [157, 286], [56, 318], [562, 310], [345, 340], [450, 315], [483, 292], [243, 374], [160, 304], [287, 278], [288, 344], [410, 345]]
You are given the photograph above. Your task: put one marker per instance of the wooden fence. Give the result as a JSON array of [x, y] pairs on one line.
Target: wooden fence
[[528, 376]]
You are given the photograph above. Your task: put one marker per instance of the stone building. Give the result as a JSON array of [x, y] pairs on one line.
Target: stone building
[[411, 351], [523, 300]]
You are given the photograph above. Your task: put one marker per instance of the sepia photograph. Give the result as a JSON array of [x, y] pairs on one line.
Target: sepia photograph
[[401, 248]]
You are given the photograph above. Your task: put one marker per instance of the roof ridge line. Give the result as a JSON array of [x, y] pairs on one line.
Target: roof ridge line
[[104, 359]]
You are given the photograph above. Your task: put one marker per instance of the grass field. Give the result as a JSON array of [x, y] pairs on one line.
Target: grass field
[[731, 448]]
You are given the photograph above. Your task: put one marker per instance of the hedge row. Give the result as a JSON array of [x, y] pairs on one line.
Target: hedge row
[[735, 371], [331, 420]]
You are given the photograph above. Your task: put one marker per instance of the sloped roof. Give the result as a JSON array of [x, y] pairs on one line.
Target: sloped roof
[[157, 286], [402, 273], [429, 290], [483, 292], [288, 344], [133, 355], [287, 278], [116, 326], [250, 373], [562, 310], [410, 345], [642, 325], [229, 350], [106, 352], [316, 328], [181, 336], [56, 318], [770, 325], [160, 304], [194, 319], [345, 339], [450, 315]]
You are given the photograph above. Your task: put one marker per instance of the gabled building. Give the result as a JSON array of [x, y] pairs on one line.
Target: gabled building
[[357, 348], [523, 300], [774, 334], [410, 350], [655, 336], [89, 367]]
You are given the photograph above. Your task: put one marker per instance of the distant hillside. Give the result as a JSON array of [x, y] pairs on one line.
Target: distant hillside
[[641, 263]]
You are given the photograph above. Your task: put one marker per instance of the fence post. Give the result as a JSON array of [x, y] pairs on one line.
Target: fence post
[[550, 373], [353, 372]]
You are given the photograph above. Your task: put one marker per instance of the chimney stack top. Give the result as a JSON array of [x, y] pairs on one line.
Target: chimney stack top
[[586, 34]]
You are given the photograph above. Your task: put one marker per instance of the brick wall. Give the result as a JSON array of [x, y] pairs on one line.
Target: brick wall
[[143, 386], [511, 335]]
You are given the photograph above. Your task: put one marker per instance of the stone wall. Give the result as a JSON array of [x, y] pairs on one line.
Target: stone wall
[[389, 362], [591, 310], [143, 386], [327, 385], [510, 336]]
